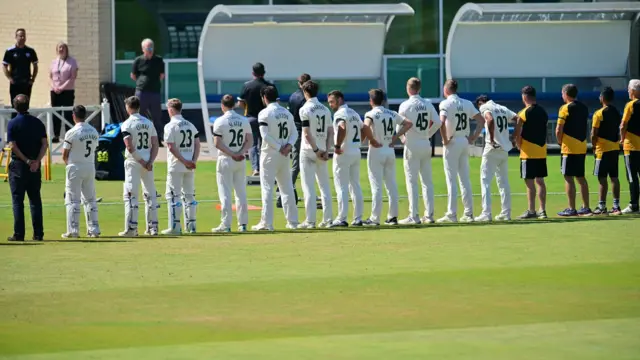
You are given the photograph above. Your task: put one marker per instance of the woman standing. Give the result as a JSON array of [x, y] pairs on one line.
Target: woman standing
[[63, 73]]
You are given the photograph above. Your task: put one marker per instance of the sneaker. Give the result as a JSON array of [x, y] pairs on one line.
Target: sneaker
[[542, 214], [502, 217], [255, 173], [152, 232], [129, 233], [427, 220], [585, 211], [261, 227], [370, 223], [447, 218], [391, 221], [483, 218], [324, 224], [357, 223], [307, 225], [568, 212], [338, 223], [410, 221], [242, 228], [467, 219], [176, 231], [93, 234], [292, 226], [70, 235], [529, 215], [615, 210], [630, 210], [221, 229], [37, 238], [600, 211]]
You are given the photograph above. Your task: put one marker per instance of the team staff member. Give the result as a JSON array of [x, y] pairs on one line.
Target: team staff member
[[630, 140], [605, 137], [251, 101], [296, 101], [27, 138], [148, 72], [531, 138], [571, 132], [17, 63], [62, 73]]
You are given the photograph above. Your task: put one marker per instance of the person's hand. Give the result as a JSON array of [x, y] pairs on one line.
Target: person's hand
[[285, 150], [320, 154], [149, 166], [143, 163], [471, 139], [338, 151], [446, 141], [189, 164], [621, 141], [375, 144], [238, 157], [34, 165], [325, 156], [57, 90], [30, 82], [11, 81]]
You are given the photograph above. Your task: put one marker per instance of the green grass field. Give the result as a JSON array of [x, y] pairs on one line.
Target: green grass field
[[556, 289]]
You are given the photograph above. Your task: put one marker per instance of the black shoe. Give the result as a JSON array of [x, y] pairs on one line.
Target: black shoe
[[15, 238], [55, 140], [295, 194], [38, 238], [392, 221], [356, 223], [279, 203]]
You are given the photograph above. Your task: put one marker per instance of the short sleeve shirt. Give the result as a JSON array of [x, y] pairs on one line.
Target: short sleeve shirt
[[384, 123], [501, 116], [422, 113], [19, 61], [317, 118], [81, 141], [353, 125], [458, 113], [233, 129], [183, 135], [141, 130], [26, 132], [147, 72]]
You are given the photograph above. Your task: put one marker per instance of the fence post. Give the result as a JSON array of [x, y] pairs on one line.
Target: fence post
[[106, 113], [49, 128]]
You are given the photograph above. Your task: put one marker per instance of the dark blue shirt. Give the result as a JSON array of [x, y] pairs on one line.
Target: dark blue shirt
[[26, 132], [250, 94], [20, 60], [296, 101]]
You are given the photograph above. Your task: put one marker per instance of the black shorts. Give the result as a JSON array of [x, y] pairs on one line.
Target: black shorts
[[533, 168], [607, 165], [572, 164]]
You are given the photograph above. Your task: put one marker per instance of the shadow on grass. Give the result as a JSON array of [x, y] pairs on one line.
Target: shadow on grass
[[20, 243]]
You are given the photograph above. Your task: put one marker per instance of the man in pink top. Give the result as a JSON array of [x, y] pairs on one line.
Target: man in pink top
[[62, 74]]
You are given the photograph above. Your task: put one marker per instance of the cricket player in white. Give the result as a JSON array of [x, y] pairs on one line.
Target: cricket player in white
[[317, 135], [278, 137], [79, 151], [183, 150], [495, 158], [456, 115], [141, 141], [417, 151], [347, 127], [379, 127], [232, 136]]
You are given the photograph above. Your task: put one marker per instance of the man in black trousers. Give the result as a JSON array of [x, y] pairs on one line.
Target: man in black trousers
[[27, 138]]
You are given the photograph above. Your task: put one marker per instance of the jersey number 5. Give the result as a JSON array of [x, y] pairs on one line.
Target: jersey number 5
[[461, 122], [88, 147]]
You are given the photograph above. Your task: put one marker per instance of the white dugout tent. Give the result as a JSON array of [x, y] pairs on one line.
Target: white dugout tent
[[600, 39], [328, 41]]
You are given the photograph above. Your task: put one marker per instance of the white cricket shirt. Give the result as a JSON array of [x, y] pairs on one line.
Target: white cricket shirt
[[141, 130], [280, 128], [425, 119], [458, 113], [352, 140], [183, 135], [501, 116], [81, 141], [384, 123], [317, 118], [232, 128]]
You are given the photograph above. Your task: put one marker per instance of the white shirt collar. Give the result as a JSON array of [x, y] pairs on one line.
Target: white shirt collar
[[273, 104], [313, 100], [455, 96], [344, 106], [177, 117], [416, 96]]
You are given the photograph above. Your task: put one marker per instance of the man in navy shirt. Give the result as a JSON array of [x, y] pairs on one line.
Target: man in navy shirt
[[27, 138], [17, 63], [296, 101]]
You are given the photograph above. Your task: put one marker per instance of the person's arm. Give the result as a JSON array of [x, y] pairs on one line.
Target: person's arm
[[479, 123], [65, 156], [173, 149], [306, 131], [626, 116], [196, 149], [74, 75], [155, 145], [66, 147], [595, 126], [248, 139], [491, 126], [34, 61], [220, 145], [242, 99], [342, 134], [6, 62], [562, 118], [134, 70], [435, 123], [264, 132], [367, 133], [517, 132], [405, 125], [161, 69]]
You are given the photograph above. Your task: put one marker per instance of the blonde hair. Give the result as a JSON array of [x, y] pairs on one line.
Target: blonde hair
[[175, 104], [414, 84], [63, 44]]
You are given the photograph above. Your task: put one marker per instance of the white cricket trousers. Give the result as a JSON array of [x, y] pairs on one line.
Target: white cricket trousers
[[346, 176], [495, 162], [417, 163], [231, 176], [134, 174], [313, 169], [80, 187], [456, 166], [382, 168], [274, 166], [181, 186]]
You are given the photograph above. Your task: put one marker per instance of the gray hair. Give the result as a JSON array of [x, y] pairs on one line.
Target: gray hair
[[147, 40], [634, 85]]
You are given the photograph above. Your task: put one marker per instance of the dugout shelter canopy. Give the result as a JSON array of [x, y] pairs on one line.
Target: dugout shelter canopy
[[519, 40], [330, 42]]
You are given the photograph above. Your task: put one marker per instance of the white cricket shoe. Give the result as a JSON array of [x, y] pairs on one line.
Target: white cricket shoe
[[307, 225], [152, 232], [292, 226], [324, 224], [171, 232], [447, 218], [410, 221], [629, 210], [503, 217], [262, 227], [129, 233], [221, 229], [242, 228], [482, 218], [93, 234], [70, 235], [466, 219], [427, 219]]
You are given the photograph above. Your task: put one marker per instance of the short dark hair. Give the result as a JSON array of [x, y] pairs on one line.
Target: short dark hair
[[376, 96], [175, 104], [607, 94], [270, 93], [21, 103], [258, 69], [311, 88], [20, 29], [80, 112], [133, 102], [529, 91], [451, 85], [304, 78], [482, 99], [336, 93], [571, 90], [228, 101]]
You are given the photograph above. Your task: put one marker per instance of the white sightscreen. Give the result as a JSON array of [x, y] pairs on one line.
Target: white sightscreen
[[540, 49], [326, 50]]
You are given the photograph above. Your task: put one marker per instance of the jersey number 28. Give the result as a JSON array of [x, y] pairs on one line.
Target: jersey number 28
[[461, 124]]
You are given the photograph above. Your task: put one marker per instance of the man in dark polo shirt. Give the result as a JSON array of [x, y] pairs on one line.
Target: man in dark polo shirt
[[251, 101], [27, 138], [17, 63], [148, 72], [296, 101]]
